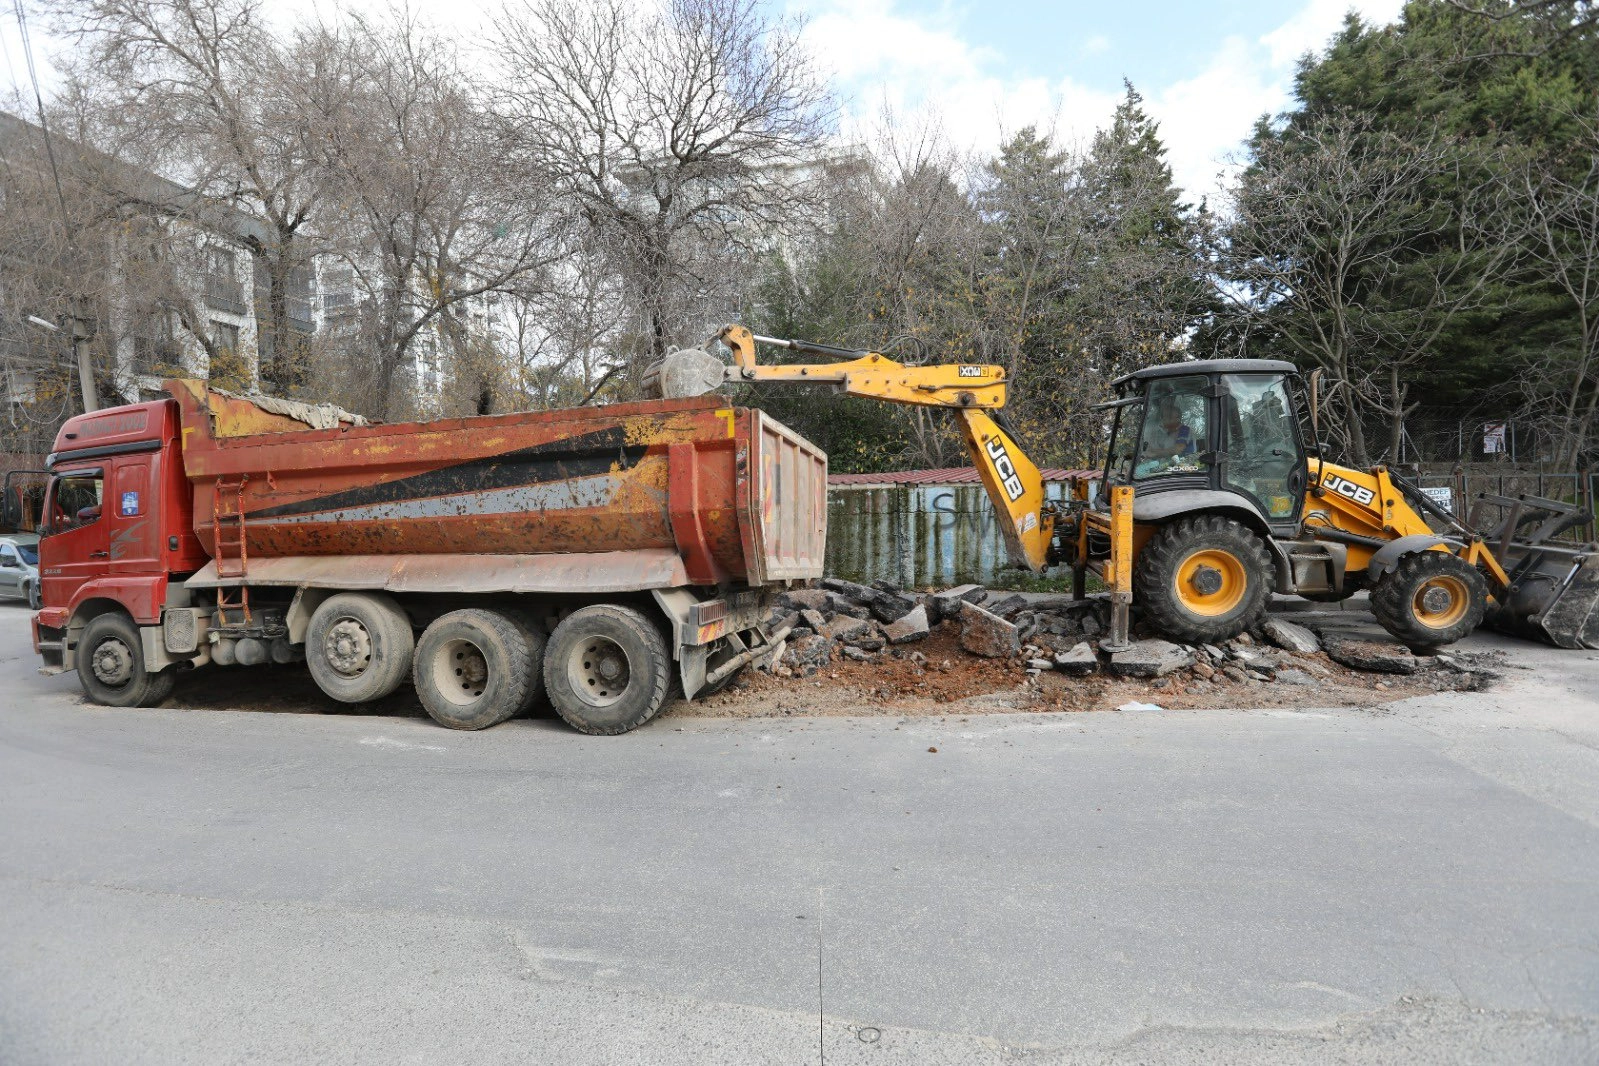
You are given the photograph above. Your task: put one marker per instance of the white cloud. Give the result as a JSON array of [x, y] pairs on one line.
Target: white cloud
[[923, 69], [1318, 20]]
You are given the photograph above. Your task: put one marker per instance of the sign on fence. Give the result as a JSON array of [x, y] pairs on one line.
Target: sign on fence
[[1442, 495]]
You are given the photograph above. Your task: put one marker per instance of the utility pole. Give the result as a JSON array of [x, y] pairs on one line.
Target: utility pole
[[80, 351]]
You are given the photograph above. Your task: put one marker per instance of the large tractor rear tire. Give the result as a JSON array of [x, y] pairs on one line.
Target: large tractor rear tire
[[1430, 599], [607, 669], [1202, 579]]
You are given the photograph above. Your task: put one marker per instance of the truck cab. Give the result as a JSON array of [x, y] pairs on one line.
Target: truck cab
[[116, 524]]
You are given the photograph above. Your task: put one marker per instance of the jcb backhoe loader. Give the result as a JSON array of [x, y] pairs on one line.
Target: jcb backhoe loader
[[1211, 498]]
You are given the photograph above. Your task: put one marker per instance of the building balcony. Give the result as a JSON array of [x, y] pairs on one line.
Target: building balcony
[[225, 295]]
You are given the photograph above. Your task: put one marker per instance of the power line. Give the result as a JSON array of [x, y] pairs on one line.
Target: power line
[[80, 348], [44, 125]]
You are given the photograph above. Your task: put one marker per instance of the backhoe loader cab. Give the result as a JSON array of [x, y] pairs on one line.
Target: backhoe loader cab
[[1217, 435]]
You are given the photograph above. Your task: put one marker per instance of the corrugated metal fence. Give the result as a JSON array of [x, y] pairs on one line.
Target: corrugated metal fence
[[916, 536]]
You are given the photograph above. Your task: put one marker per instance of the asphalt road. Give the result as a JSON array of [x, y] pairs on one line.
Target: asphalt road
[[1412, 884]]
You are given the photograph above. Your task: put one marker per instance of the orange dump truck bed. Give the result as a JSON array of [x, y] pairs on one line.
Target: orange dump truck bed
[[628, 497]]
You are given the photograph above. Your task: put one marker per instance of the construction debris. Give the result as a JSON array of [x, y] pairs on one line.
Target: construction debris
[[1291, 637], [1370, 655], [910, 626], [986, 634], [1151, 658], [978, 643]]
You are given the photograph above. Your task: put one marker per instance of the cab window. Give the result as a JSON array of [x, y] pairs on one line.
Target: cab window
[[1124, 443], [1262, 443], [1176, 431], [75, 501]]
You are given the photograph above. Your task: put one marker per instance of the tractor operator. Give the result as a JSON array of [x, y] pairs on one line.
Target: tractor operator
[[1171, 436]]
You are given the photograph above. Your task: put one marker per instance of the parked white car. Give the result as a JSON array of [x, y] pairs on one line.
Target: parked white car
[[19, 568]]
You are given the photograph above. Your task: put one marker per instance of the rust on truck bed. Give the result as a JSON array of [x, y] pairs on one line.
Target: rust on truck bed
[[597, 572], [728, 493]]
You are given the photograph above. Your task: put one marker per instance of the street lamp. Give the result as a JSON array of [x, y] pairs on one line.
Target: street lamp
[[80, 351]]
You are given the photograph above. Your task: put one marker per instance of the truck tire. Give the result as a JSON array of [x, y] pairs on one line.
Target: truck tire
[[111, 664], [1429, 599], [358, 646], [607, 669], [533, 633], [1202, 579], [473, 669]]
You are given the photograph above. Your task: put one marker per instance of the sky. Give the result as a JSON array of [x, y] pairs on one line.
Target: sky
[[1207, 70]]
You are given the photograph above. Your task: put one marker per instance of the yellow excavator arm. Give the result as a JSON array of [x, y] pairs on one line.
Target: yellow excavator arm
[[971, 390]]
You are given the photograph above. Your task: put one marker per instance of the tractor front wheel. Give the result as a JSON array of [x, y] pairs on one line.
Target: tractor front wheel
[[1430, 599], [1202, 579]]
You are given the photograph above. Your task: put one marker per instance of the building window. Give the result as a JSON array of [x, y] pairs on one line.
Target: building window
[[338, 290], [226, 339], [155, 352], [223, 290]]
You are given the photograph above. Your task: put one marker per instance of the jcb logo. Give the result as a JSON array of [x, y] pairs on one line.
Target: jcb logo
[[970, 372], [1349, 490], [1005, 469]]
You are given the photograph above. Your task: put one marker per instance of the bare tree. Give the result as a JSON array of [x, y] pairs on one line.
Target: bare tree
[[679, 136], [420, 206], [1562, 198], [1344, 251], [202, 90]]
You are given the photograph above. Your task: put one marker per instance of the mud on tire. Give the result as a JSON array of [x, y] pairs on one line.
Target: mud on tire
[[358, 646], [110, 659], [1202, 579], [473, 669], [1430, 599], [607, 669]]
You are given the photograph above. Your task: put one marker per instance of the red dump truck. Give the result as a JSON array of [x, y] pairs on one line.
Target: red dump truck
[[598, 555]]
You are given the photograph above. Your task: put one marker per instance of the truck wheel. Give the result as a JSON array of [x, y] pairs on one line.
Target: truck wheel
[[358, 646], [1202, 579], [111, 664], [472, 669], [607, 669], [533, 633], [1429, 599]]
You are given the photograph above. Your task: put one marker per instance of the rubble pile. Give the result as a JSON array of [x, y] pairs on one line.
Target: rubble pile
[[1020, 639]]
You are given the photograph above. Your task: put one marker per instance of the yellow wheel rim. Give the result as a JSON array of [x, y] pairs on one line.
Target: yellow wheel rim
[[1441, 601], [1211, 582]]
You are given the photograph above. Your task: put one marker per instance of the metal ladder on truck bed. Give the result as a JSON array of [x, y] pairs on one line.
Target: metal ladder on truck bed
[[229, 552]]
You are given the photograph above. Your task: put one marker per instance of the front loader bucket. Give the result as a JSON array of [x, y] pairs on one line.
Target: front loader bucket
[[1553, 595]]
